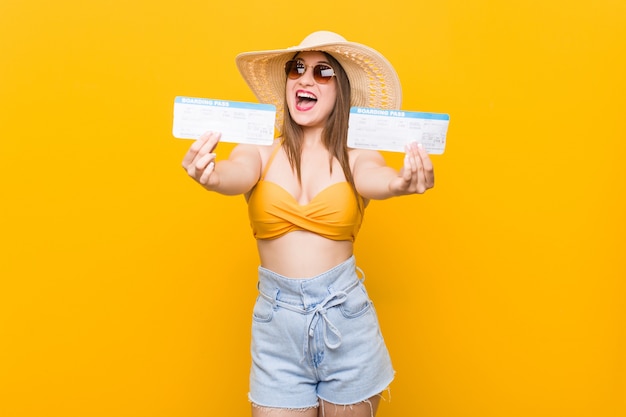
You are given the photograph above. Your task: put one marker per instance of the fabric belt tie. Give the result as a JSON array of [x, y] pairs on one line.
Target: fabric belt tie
[[319, 313], [332, 300]]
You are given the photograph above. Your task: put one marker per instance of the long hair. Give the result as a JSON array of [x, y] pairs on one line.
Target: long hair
[[334, 134]]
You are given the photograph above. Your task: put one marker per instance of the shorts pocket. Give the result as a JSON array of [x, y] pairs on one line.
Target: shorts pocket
[[357, 303], [263, 310]]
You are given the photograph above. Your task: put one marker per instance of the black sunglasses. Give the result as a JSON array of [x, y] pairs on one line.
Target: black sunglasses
[[295, 69]]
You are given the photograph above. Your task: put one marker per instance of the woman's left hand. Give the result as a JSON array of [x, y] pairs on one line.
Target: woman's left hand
[[417, 175]]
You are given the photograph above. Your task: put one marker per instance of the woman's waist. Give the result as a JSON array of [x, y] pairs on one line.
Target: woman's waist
[[341, 278], [302, 254]]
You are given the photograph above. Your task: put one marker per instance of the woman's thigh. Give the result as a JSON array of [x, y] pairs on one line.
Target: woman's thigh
[[365, 408], [258, 411]]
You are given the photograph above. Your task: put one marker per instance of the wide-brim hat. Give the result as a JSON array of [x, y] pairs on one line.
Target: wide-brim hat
[[373, 80]]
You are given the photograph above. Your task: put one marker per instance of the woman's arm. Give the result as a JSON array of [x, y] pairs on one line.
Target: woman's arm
[[375, 180], [236, 175]]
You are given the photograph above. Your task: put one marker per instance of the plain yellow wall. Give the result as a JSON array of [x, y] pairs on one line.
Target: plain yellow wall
[[501, 292]]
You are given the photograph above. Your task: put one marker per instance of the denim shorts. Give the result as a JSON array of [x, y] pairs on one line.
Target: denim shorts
[[316, 338]]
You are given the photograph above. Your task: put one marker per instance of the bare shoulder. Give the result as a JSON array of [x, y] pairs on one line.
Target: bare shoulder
[[266, 150], [253, 156]]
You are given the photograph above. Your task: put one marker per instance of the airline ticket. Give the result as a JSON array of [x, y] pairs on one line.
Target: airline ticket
[[238, 122], [391, 130]]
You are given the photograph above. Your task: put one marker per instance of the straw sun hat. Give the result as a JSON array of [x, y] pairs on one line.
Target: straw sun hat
[[373, 80]]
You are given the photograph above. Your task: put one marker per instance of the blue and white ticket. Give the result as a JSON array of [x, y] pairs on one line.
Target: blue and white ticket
[[238, 122], [391, 130]]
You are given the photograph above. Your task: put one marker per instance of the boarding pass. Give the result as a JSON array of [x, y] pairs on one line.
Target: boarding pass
[[238, 122], [391, 130]]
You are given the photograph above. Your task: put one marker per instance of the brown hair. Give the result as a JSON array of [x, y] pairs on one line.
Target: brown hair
[[334, 135]]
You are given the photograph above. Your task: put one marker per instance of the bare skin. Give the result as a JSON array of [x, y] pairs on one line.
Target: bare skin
[[303, 254], [366, 408], [284, 255]]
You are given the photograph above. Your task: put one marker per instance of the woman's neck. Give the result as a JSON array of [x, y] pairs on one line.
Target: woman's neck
[[312, 137]]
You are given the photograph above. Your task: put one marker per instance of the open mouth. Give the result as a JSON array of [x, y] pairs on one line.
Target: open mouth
[[305, 100]]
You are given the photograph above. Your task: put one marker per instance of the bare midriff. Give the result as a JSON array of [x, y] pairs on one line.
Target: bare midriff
[[302, 254]]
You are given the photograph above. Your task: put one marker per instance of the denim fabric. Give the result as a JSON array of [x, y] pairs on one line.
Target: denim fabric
[[316, 338]]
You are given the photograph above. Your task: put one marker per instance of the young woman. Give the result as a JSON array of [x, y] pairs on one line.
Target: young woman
[[316, 342]]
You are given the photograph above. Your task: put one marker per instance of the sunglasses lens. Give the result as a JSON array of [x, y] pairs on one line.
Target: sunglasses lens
[[323, 73], [294, 69]]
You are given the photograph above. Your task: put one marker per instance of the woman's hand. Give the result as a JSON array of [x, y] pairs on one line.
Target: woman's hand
[[199, 162], [232, 176], [417, 175]]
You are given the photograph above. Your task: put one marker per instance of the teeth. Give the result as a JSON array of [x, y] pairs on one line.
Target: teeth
[[307, 95]]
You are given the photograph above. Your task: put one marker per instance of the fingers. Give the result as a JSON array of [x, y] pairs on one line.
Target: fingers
[[202, 163], [427, 168], [199, 161], [191, 154], [409, 164], [418, 172], [204, 178]]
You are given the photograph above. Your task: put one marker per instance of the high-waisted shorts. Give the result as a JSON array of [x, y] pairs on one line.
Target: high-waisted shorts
[[316, 338]]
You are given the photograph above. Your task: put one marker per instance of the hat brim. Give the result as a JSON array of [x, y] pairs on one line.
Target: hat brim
[[373, 80]]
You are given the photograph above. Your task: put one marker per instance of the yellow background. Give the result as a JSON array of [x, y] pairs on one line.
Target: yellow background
[[126, 290]]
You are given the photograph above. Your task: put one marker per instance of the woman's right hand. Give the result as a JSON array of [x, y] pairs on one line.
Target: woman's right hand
[[199, 162]]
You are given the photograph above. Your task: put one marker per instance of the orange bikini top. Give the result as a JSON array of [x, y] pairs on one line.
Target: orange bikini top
[[333, 213]]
